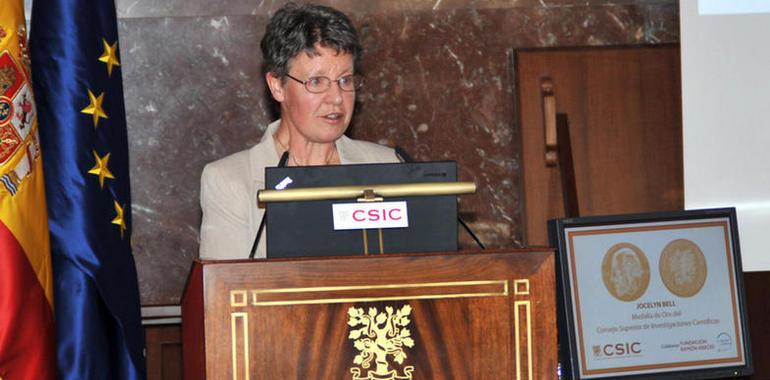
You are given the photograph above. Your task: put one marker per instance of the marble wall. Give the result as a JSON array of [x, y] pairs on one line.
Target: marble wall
[[439, 84]]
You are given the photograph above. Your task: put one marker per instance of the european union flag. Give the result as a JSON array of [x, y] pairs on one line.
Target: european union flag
[[77, 82]]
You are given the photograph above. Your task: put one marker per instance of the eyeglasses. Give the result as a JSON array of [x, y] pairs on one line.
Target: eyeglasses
[[317, 85]]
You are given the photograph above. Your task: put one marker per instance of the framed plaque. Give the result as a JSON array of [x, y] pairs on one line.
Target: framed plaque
[[651, 296]]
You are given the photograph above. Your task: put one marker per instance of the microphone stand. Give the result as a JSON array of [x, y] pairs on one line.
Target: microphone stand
[[281, 163]]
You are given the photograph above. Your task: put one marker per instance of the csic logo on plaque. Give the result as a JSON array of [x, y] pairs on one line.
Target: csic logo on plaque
[[354, 216], [618, 349]]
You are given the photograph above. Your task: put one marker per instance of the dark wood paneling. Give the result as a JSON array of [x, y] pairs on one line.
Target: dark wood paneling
[[758, 307], [624, 110], [164, 352]]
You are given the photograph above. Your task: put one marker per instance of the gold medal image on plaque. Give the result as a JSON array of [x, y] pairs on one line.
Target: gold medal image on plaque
[[683, 268], [625, 272]]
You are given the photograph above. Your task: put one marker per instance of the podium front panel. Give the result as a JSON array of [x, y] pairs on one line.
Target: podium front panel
[[430, 316]]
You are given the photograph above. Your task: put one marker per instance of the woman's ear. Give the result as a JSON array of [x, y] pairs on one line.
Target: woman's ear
[[275, 84]]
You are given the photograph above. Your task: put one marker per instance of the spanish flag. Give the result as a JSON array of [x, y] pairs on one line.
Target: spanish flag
[[26, 289]]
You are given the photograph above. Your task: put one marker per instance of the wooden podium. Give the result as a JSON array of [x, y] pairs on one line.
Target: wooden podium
[[485, 315]]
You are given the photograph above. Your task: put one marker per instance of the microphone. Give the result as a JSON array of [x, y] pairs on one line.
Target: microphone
[[284, 159], [281, 163], [404, 157]]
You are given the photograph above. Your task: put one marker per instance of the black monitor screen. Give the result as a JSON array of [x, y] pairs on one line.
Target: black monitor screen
[[297, 229]]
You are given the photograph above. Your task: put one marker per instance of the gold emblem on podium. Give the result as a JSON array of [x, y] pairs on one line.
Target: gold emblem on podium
[[378, 336]]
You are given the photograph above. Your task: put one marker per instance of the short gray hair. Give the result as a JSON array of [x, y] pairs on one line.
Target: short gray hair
[[294, 29]]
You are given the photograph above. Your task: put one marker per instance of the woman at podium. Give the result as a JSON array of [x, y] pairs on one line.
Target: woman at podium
[[311, 56]]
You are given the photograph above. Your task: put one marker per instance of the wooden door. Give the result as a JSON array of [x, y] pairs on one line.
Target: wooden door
[[625, 118]]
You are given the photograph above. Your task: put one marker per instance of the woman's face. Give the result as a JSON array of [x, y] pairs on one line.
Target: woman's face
[[318, 118]]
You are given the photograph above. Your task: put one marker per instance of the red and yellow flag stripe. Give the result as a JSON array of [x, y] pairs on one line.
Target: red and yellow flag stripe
[[26, 286]]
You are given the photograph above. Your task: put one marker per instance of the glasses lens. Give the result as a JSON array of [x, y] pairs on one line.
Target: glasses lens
[[350, 82], [317, 84]]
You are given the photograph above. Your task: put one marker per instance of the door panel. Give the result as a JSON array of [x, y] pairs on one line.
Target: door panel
[[624, 110]]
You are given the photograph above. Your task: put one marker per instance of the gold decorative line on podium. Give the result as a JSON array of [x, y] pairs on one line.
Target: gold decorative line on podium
[[235, 301], [522, 307], [517, 319], [244, 317], [521, 287], [364, 293]]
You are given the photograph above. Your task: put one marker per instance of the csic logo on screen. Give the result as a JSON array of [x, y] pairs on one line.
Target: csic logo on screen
[[617, 350], [354, 216]]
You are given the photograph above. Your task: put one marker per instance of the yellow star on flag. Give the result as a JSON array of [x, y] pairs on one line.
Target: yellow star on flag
[[119, 221], [110, 56], [100, 168], [95, 107]]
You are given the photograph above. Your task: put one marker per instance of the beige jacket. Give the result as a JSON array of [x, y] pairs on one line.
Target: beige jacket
[[229, 193]]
